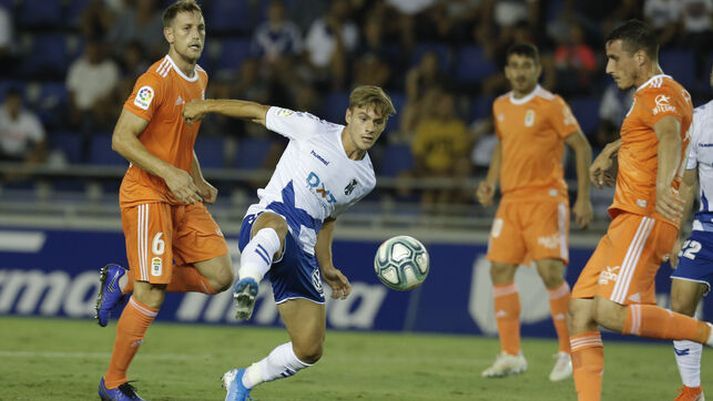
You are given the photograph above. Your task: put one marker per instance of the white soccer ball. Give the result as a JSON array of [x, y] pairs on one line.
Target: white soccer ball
[[401, 263]]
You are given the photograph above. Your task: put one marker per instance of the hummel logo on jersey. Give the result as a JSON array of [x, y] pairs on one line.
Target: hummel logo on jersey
[[320, 158], [350, 187], [179, 100], [681, 352]]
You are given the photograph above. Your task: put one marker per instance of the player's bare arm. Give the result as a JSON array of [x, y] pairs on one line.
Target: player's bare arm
[[242, 109], [336, 280], [583, 153], [601, 172], [486, 189], [687, 191], [125, 141], [208, 192], [668, 202]]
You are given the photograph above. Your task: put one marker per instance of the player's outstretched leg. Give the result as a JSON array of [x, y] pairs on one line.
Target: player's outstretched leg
[[244, 294], [110, 293], [125, 392], [233, 384]]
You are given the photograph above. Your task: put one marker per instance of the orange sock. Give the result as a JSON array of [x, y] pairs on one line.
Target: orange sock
[[186, 278], [507, 315], [588, 364], [559, 307], [130, 331], [655, 322]]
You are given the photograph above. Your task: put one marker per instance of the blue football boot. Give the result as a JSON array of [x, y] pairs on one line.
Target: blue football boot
[[244, 294], [125, 392], [233, 384], [109, 292]]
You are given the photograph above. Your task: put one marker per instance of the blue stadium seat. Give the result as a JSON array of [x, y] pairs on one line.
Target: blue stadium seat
[[69, 143], [586, 110], [397, 159], [472, 65], [232, 54], [73, 11], [680, 64], [252, 152], [210, 151], [229, 16], [48, 57], [441, 50], [40, 13], [334, 106], [101, 152], [480, 107]]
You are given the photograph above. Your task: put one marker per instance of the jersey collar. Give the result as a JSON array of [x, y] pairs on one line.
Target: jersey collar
[[525, 98], [657, 76], [180, 73]]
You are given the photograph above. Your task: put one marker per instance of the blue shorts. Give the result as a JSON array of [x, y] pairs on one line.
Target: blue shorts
[[295, 275], [695, 261]]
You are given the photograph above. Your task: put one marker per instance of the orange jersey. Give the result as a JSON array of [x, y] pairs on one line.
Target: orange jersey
[[158, 97], [532, 131], [659, 97]]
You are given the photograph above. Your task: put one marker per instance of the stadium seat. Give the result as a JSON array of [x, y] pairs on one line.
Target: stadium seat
[[47, 57], [681, 65], [40, 13], [397, 158], [334, 106], [210, 151], [472, 65], [399, 100], [586, 110], [480, 107], [101, 152], [69, 143], [441, 50], [226, 16], [73, 11], [252, 152], [232, 53]]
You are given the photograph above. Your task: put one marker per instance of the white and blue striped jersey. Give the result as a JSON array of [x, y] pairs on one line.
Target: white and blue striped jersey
[[314, 178], [700, 155]]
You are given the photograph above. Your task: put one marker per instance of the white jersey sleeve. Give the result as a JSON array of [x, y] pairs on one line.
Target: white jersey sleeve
[[292, 124], [696, 128]]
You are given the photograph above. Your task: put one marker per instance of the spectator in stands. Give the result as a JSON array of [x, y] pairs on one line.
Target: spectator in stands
[[277, 39], [407, 12], [6, 41], [612, 110], [96, 20], [420, 80], [664, 17], [575, 62], [373, 65], [22, 137], [330, 41], [441, 147], [141, 21], [91, 83], [697, 31]]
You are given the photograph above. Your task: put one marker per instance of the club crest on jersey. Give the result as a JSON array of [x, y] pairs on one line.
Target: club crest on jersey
[[143, 98], [663, 104], [530, 118], [350, 187], [316, 184]]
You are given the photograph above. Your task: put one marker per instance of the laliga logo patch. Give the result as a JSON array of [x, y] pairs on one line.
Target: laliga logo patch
[[663, 105], [144, 97], [530, 118], [156, 266]]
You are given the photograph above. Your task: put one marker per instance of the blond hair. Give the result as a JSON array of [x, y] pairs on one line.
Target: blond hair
[[370, 95], [181, 6]]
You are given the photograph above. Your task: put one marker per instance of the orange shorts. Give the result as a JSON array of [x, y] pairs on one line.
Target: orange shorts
[[624, 265], [536, 230], [157, 234]]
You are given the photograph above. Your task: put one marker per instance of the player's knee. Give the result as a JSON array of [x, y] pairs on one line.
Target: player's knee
[[551, 272], [502, 274], [308, 353], [683, 303], [609, 314], [223, 279], [151, 295], [580, 315]]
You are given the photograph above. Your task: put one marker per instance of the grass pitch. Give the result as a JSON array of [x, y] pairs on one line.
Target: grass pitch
[[54, 359]]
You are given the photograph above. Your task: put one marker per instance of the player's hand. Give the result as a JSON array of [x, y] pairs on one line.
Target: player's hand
[[338, 282], [673, 257], [208, 192], [181, 185], [583, 212], [601, 172], [485, 193], [194, 110], [669, 203]]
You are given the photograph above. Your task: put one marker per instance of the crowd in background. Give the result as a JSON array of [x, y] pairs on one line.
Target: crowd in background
[[66, 67]]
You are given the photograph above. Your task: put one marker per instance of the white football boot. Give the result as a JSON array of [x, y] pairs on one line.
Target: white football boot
[[506, 365], [563, 367]]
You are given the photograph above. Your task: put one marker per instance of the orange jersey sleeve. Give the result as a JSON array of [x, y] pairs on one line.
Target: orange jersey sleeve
[[158, 97], [660, 97], [532, 131]]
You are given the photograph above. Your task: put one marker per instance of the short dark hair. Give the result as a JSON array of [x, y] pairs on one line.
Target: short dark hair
[[181, 6], [523, 49], [636, 35]]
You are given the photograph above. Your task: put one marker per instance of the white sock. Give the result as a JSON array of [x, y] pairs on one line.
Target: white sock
[[257, 255], [688, 358], [281, 363]]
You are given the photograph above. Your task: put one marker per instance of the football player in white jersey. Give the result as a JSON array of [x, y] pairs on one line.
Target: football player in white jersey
[[693, 257], [288, 234]]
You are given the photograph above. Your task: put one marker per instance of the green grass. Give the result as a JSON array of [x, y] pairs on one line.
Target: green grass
[[56, 359]]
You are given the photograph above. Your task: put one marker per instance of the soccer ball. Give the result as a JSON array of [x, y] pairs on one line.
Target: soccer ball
[[401, 263]]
